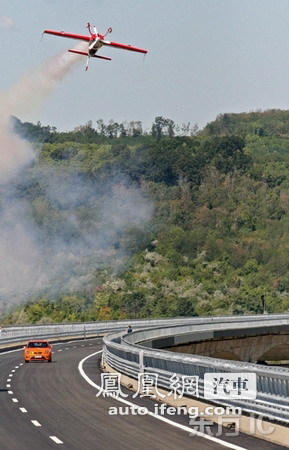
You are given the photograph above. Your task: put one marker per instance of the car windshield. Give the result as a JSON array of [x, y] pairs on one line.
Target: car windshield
[[37, 344]]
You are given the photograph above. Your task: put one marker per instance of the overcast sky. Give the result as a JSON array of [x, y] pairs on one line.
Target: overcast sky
[[206, 57]]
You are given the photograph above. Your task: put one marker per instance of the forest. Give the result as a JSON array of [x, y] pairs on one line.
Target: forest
[[171, 221]]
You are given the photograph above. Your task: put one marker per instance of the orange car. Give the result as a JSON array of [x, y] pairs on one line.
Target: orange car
[[38, 350]]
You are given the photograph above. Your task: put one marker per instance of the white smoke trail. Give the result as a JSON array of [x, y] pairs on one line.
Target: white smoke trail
[[20, 258], [25, 96], [30, 91], [14, 153], [62, 254]]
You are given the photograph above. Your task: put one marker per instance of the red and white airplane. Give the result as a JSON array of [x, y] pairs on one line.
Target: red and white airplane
[[95, 42]]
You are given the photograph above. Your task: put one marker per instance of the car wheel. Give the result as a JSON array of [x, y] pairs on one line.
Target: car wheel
[[50, 360], [26, 360]]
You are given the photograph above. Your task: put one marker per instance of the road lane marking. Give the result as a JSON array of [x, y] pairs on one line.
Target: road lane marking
[[12, 351], [156, 416], [8, 385], [56, 440], [36, 423], [15, 400]]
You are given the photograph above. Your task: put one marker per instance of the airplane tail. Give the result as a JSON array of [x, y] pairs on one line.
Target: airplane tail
[[101, 57], [89, 56]]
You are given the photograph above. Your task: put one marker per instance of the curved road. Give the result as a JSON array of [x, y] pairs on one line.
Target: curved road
[[45, 406]]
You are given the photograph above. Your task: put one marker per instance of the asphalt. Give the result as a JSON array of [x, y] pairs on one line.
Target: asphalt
[[49, 405]]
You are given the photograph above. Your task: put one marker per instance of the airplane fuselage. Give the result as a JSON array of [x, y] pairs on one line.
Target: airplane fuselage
[[96, 43]]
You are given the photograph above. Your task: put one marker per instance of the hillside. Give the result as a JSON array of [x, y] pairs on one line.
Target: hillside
[[272, 122], [172, 222]]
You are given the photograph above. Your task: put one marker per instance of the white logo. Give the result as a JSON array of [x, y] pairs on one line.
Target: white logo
[[230, 385]]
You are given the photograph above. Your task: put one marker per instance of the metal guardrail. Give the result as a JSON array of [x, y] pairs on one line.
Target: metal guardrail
[[128, 354], [14, 334], [18, 334]]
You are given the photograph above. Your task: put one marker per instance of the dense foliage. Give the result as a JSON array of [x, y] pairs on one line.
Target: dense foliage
[[217, 241]]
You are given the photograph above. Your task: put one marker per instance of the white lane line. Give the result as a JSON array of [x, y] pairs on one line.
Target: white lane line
[[16, 367], [12, 351], [15, 400], [13, 370], [56, 440], [66, 348], [8, 385], [8, 380], [10, 392], [21, 364], [189, 430], [36, 423], [10, 375], [60, 350], [24, 410]]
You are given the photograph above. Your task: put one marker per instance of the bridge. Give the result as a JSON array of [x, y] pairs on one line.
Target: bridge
[[243, 341], [146, 350], [268, 345]]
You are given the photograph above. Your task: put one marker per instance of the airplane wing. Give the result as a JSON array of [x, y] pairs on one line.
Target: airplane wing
[[68, 35], [124, 46]]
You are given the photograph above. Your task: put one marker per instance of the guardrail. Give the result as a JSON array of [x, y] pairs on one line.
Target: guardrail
[[125, 354], [10, 334], [130, 355], [18, 334]]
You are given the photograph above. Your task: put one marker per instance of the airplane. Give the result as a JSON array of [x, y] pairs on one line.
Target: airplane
[[95, 42]]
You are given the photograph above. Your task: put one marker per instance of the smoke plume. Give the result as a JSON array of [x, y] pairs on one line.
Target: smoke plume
[[25, 97], [46, 246]]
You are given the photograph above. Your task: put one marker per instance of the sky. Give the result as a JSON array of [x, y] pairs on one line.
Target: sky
[[205, 57]]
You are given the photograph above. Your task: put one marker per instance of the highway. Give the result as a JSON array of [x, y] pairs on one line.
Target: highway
[[51, 405]]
